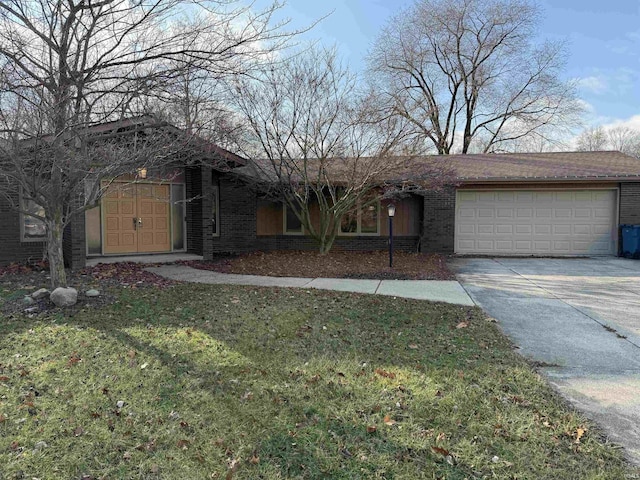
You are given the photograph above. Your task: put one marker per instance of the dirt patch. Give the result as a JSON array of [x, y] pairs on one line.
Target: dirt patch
[[374, 265]]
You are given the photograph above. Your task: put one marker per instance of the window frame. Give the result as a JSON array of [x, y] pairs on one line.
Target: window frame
[[359, 232], [22, 217], [300, 232]]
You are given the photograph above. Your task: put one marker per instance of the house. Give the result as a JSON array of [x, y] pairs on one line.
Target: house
[[545, 204]]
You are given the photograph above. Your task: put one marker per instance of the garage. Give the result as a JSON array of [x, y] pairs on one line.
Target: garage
[[536, 222]]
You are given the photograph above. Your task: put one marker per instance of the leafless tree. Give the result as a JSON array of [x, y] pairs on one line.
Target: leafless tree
[[468, 71], [592, 139], [67, 66], [324, 144], [621, 138], [624, 139]]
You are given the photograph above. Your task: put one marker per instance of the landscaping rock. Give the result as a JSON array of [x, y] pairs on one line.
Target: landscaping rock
[[43, 292], [64, 297], [92, 293], [28, 301], [41, 445]]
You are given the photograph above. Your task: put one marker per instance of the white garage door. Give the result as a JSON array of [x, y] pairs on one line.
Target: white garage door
[[531, 222]]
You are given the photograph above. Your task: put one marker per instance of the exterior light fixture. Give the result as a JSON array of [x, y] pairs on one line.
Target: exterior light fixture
[[391, 210], [142, 173]]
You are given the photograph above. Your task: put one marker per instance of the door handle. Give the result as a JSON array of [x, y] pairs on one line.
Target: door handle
[[135, 223]]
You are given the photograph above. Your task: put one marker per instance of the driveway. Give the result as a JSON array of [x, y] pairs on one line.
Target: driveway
[[580, 320]]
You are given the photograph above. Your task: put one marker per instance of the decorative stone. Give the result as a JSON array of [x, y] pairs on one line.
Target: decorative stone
[[43, 292], [119, 404], [28, 301], [64, 297], [92, 293], [41, 445]]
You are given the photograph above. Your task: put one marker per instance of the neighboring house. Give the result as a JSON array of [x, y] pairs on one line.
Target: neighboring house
[[506, 204]]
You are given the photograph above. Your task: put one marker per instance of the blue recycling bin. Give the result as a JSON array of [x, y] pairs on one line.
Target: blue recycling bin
[[631, 241]]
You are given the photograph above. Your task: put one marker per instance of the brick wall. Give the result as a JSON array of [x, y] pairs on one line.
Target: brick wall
[[193, 177], [439, 221], [74, 244], [237, 223], [630, 203], [11, 248]]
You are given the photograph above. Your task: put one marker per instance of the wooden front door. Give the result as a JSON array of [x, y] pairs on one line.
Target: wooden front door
[[136, 218]]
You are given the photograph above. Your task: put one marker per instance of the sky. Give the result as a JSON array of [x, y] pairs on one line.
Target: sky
[[603, 42]]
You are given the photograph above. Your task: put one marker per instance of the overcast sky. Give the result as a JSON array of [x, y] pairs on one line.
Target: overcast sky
[[603, 40]]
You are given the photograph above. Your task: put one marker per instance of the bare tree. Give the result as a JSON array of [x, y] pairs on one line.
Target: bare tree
[[467, 71], [67, 66], [325, 145], [592, 139], [621, 138], [624, 139]]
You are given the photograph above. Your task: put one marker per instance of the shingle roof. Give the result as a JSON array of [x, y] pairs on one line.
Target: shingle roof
[[544, 166]]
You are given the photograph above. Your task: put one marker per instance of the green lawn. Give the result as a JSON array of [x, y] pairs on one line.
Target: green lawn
[[234, 382]]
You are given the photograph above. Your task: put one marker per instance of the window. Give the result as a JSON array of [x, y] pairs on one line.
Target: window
[[33, 229], [292, 224], [215, 211], [362, 220]]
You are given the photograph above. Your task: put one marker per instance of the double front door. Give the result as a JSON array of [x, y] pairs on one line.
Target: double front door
[[136, 218]]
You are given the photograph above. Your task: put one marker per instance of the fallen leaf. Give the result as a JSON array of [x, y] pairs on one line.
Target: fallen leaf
[[78, 431], [579, 434], [254, 460], [413, 346], [371, 429], [441, 451], [385, 374], [389, 421], [462, 325]]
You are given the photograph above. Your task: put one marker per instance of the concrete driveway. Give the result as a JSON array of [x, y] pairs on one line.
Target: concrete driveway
[[580, 319]]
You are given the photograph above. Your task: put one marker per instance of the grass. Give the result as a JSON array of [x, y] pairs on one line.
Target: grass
[[238, 382]]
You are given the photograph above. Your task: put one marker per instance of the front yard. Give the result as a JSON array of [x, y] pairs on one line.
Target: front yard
[[197, 381]]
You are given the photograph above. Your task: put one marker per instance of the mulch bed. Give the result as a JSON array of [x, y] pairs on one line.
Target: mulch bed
[[18, 280], [336, 264]]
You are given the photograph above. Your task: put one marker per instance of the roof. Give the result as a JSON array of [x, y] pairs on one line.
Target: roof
[[554, 166], [129, 125]]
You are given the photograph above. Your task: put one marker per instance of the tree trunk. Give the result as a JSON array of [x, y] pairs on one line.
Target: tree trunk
[[55, 254]]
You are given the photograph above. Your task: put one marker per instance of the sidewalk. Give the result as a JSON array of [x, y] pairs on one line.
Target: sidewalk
[[433, 290]]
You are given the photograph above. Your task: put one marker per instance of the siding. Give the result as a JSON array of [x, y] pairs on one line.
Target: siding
[[11, 248]]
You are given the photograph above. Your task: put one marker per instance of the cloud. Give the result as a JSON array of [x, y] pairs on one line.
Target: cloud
[[594, 84]]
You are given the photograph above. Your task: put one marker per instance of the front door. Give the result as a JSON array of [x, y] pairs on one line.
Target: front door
[[136, 218]]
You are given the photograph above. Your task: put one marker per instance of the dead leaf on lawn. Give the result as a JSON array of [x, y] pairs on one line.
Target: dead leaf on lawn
[[388, 420], [441, 451], [579, 433], [385, 374], [413, 346], [462, 325], [371, 429]]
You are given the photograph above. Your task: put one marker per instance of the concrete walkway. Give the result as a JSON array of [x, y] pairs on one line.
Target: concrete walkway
[[433, 290]]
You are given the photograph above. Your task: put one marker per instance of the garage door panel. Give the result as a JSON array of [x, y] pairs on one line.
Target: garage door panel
[[578, 222]]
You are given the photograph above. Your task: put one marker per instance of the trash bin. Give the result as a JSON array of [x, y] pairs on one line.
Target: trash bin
[[631, 241]]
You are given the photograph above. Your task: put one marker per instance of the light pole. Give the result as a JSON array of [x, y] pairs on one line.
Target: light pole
[[391, 209]]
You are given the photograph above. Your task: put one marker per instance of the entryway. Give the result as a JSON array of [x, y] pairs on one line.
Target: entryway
[[137, 218]]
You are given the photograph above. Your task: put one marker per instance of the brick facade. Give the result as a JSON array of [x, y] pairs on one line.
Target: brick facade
[[12, 249], [237, 223], [629, 203], [438, 226]]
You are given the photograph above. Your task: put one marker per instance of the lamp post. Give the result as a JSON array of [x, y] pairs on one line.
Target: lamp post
[[391, 209]]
